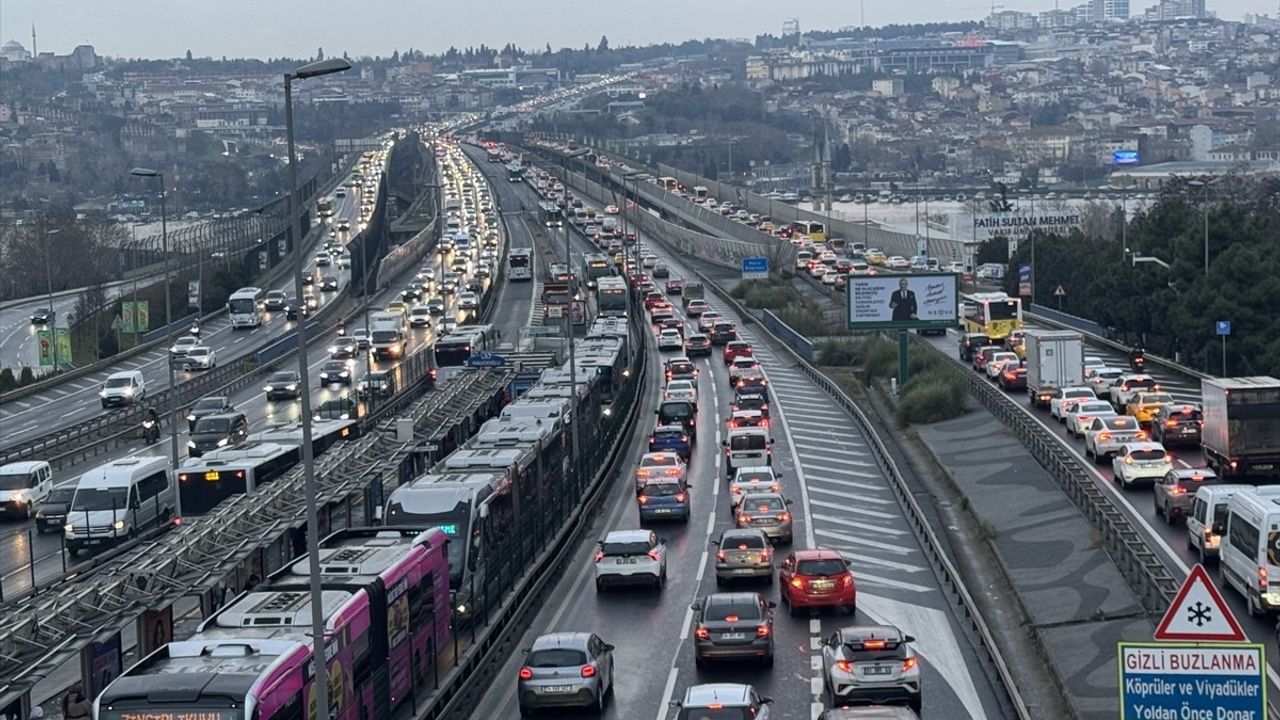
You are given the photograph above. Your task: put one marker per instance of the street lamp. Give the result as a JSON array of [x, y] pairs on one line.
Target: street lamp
[[48, 280], [316, 69], [172, 410], [1204, 186]]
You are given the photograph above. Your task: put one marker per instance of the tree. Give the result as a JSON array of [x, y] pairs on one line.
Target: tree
[[188, 55], [842, 158], [319, 54], [604, 44]]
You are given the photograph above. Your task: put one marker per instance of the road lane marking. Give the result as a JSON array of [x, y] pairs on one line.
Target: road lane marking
[[666, 694]]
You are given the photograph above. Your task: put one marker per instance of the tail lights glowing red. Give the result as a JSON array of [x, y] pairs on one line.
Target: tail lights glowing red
[[588, 671], [526, 673]]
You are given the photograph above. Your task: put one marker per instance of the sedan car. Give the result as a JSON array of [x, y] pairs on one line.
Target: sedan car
[[42, 316], [697, 308], [339, 408], [1137, 462], [660, 465], [681, 390], [200, 357], [1013, 378], [567, 669], [1066, 398], [1174, 493], [768, 513], [335, 371], [996, 363], [329, 283], [743, 554], [282, 386], [468, 301], [817, 577], [1107, 435], [1146, 405], [870, 664], [376, 383], [344, 348], [631, 557], [183, 345], [675, 286], [697, 345], [732, 626], [752, 480], [212, 405], [670, 339], [1100, 379], [670, 438], [664, 499], [897, 262], [1080, 417], [678, 368], [740, 365], [723, 700]]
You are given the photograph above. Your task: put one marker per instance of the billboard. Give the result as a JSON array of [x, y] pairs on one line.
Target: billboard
[[903, 302], [1017, 225], [1124, 157]]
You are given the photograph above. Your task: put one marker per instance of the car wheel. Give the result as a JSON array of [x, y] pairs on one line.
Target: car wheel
[[915, 704], [599, 585], [699, 662], [1250, 601], [600, 700], [768, 580], [1203, 557], [525, 710], [768, 660], [1155, 506], [852, 609]]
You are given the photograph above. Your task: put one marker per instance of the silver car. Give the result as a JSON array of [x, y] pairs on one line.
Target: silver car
[[768, 513], [1106, 436], [1066, 398], [870, 664], [743, 553], [568, 669]]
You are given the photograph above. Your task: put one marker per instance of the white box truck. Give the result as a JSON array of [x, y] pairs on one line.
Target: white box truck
[[1241, 432], [1055, 359], [387, 335]]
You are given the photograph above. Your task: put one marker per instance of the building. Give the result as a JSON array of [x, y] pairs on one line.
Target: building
[[13, 51], [1176, 9], [1153, 177], [892, 87]]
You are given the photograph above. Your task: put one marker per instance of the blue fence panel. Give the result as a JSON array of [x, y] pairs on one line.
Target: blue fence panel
[[183, 323], [1069, 320], [277, 348], [793, 339]]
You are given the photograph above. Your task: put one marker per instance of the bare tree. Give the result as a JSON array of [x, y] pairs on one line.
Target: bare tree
[[1099, 219]]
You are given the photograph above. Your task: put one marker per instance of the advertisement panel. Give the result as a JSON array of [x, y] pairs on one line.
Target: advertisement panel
[[1024, 280], [903, 302], [44, 342], [100, 663], [62, 344], [1018, 225], [193, 293]]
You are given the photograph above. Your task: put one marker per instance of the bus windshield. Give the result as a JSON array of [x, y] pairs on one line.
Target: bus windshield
[[454, 522], [451, 353], [242, 306], [1003, 310]]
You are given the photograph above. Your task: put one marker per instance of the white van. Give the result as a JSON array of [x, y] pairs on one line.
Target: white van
[[123, 388], [24, 485], [116, 501], [1207, 520], [747, 447], [1250, 555]]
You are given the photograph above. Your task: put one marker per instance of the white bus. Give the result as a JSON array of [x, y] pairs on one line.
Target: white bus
[[245, 307], [520, 264]]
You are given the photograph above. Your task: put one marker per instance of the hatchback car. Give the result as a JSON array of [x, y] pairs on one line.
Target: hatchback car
[[746, 419], [420, 316], [212, 405], [681, 390], [568, 669], [670, 340], [870, 664], [751, 382], [727, 701], [1146, 405], [282, 386], [376, 383], [739, 364], [344, 348], [660, 466], [631, 557], [335, 371], [1062, 400], [675, 286], [735, 349], [742, 554], [1013, 378], [723, 332], [697, 345], [707, 320], [200, 357], [969, 344], [183, 345], [870, 712], [468, 301], [997, 362], [670, 438], [1140, 462], [750, 401], [663, 499], [733, 626], [680, 368], [51, 513], [696, 308], [983, 355], [1100, 379], [1107, 435], [817, 577], [752, 480], [767, 512], [42, 316], [1174, 493], [1177, 424]]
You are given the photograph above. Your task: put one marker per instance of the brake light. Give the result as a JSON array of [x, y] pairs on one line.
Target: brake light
[[784, 516], [644, 499], [744, 518], [653, 555], [1128, 459], [766, 554], [731, 618], [599, 556], [847, 580], [720, 556], [1177, 490], [526, 673], [844, 666], [702, 633], [762, 631], [873, 644], [672, 472], [588, 671], [797, 582], [1262, 578], [908, 664], [1104, 436], [680, 497], [1142, 434]]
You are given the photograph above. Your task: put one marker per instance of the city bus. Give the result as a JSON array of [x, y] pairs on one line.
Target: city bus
[[812, 229], [669, 184], [245, 307], [594, 267], [324, 434], [550, 214], [520, 264], [611, 296], [515, 172], [385, 618], [454, 349], [215, 476], [324, 207], [993, 314]]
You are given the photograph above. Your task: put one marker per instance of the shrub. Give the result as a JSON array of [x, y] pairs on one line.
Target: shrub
[[802, 318], [837, 353], [7, 380], [27, 376], [931, 396], [878, 358]]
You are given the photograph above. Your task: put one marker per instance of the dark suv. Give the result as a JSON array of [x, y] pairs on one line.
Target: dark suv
[[970, 342], [1177, 424]]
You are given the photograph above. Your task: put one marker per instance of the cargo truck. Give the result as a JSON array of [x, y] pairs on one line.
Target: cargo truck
[[692, 290], [1241, 433], [1055, 359], [387, 332]]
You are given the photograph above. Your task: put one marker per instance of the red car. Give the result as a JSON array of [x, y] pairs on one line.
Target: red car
[[1013, 378], [736, 349], [844, 266], [817, 577], [654, 298]]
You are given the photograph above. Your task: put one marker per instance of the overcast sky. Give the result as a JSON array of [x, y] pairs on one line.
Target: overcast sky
[[271, 28]]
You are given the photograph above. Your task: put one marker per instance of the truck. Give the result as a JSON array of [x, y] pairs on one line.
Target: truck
[[387, 332], [1055, 360], [1241, 433], [692, 290]]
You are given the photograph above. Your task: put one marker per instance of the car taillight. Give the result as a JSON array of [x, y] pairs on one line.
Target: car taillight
[[1262, 579], [599, 556], [643, 499], [847, 580], [680, 497], [1142, 434], [1177, 490], [526, 673], [1104, 436], [797, 582], [672, 472], [784, 516], [720, 556], [766, 555], [744, 518], [702, 633], [844, 666], [908, 664], [762, 631], [588, 671], [1128, 459]]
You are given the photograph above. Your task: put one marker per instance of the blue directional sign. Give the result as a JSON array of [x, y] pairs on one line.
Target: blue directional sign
[[1124, 157], [485, 358], [1222, 327], [755, 268], [1175, 680]]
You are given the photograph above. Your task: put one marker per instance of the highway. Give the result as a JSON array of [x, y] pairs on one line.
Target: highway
[[842, 500], [77, 400], [18, 347]]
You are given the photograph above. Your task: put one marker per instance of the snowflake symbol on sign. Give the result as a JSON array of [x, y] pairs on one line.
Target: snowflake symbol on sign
[[1199, 614]]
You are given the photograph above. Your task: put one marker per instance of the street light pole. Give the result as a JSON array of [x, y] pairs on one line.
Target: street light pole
[[323, 67], [573, 365], [48, 280]]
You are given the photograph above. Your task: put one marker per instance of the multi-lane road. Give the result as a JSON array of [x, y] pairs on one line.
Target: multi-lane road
[[842, 500]]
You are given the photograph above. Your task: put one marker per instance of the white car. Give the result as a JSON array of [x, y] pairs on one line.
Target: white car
[[630, 557], [752, 479], [830, 276], [183, 345], [200, 357], [1106, 436], [1093, 362], [860, 267], [1081, 415], [897, 262], [468, 301], [998, 361], [1066, 398], [648, 261], [682, 390], [1100, 379], [664, 465], [1140, 462], [419, 316], [817, 270], [740, 363], [670, 339]]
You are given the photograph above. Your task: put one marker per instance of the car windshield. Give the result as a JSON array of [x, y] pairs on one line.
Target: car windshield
[[1156, 398], [1148, 455], [754, 476], [555, 658], [732, 611], [677, 410], [622, 549], [764, 504], [281, 378], [213, 425], [742, 542], [820, 567], [668, 434], [1094, 407], [199, 351], [1185, 415], [90, 499], [208, 404], [1072, 394], [661, 489], [61, 495], [14, 481], [118, 382]]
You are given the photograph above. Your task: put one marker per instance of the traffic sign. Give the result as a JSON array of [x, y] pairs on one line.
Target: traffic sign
[[1223, 327], [1059, 292], [1199, 614], [485, 358], [1180, 680], [755, 268], [1024, 280]]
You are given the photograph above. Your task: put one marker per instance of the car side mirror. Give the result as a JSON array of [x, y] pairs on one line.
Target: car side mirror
[[789, 502], [715, 542], [908, 638], [766, 700], [696, 606], [608, 647], [724, 443], [773, 604], [848, 563], [662, 541], [772, 441]]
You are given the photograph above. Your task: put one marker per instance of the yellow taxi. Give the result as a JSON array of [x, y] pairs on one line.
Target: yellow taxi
[[874, 256], [1145, 405], [397, 307], [1016, 342]]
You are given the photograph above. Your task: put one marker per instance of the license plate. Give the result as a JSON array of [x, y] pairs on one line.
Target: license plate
[[661, 510], [822, 586], [743, 571], [558, 688], [627, 561], [875, 670], [733, 636]]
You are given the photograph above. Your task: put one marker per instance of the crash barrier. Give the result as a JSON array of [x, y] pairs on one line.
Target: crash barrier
[[792, 339], [1089, 330]]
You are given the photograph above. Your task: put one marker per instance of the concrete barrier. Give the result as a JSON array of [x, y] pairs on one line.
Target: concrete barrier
[[794, 340]]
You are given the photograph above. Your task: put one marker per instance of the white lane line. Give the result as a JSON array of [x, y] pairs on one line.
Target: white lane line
[[845, 474], [828, 450], [23, 404], [859, 497], [881, 562], [666, 694], [804, 486], [858, 511], [886, 547]]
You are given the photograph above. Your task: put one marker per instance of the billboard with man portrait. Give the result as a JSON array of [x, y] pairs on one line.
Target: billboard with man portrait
[[903, 302]]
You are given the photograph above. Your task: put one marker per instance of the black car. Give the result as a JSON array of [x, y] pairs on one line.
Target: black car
[[212, 405], [335, 371], [675, 286], [1177, 424], [344, 348], [723, 333], [51, 514], [42, 316], [329, 284], [341, 408], [412, 293], [378, 383], [734, 626], [291, 310], [969, 344], [283, 386], [218, 431], [679, 412]]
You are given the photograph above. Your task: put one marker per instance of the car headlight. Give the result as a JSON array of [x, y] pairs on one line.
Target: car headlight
[[102, 393], [223, 442], [267, 388], [192, 418], [191, 443], [19, 496], [69, 527], [345, 373], [291, 387], [128, 391], [118, 525]]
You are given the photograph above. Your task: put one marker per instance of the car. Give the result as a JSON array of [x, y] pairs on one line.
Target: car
[[1140, 462], [308, 277], [746, 419], [51, 513], [182, 346], [1107, 435], [376, 384], [654, 299], [200, 357], [706, 320], [660, 465], [743, 554], [1177, 424], [696, 308], [970, 343], [767, 512], [1100, 380], [1013, 378], [672, 323], [678, 368], [630, 557], [815, 578], [675, 286], [329, 283], [681, 390], [670, 438], [995, 364], [648, 261], [664, 499], [435, 306], [741, 364], [870, 664], [983, 355], [723, 332], [412, 293], [1090, 362], [897, 262], [1080, 417], [468, 301], [282, 385], [565, 669], [1174, 493], [731, 701], [344, 348], [212, 405], [1127, 386], [1066, 398], [275, 300], [398, 307], [322, 259], [335, 371], [875, 256], [661, 313], [218, 431], [750, 401], [733, 626], [42, 316], [735, 349], [751, 381], [310, 302], [292, 309], [697, 345], [361, 336], [670, 340], [1146, 405], [339, 408], [751, 480]]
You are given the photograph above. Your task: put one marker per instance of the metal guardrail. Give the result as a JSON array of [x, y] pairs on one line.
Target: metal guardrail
[[1108, 342]]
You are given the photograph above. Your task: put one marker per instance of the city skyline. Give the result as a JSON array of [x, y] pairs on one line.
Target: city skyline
[[210, 30]]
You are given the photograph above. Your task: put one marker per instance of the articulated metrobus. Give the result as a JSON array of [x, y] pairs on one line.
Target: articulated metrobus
[[520, 264], [550, 214], [814, 230], [324, 207], [993, 314]]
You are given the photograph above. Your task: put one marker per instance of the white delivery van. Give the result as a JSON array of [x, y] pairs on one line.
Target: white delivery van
[[1207, 521], [116, 501], [24, 485], [747, 447], [1250, 552], [123, 388]]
